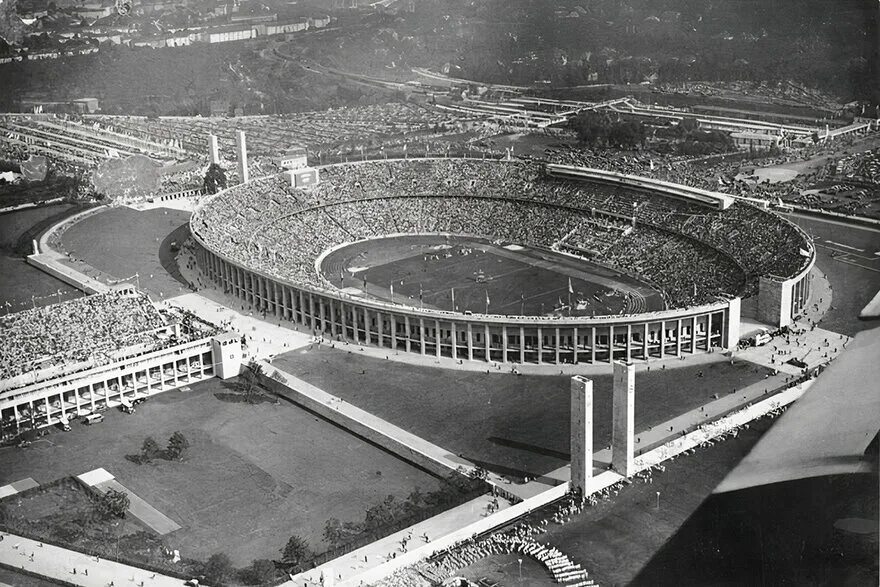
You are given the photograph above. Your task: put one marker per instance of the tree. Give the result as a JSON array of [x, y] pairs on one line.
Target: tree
[[114, 503], [177, 444], [382, 514], [336, 533], [150, 449], [591, 127], [215, 179], [261, 571], [295, 552], [218, 569], [250, 382]]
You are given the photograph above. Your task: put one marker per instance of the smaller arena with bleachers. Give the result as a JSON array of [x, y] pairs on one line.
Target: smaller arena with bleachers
[[107, 350]]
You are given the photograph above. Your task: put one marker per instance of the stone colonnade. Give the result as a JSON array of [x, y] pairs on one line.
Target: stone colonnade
[[492, 338]]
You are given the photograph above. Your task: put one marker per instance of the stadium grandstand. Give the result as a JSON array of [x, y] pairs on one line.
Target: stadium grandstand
[[80, 143], [263, 241], [97, 352], [269, 136]]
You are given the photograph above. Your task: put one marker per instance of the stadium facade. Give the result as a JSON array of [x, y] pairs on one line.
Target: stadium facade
[[258, 277]]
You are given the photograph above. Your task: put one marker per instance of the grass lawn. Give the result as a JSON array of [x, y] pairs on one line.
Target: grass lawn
[[517, 281], [123, 241], [66, 514], [254, 475], [513, 425]]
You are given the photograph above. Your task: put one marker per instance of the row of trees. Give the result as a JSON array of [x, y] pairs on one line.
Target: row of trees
[[599, 129], [151, 450], [218, 570], [391, 511]]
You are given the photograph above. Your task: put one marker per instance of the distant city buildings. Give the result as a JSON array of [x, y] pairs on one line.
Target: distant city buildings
[[75, 29]]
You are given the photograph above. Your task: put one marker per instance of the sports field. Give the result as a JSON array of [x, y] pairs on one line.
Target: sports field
[[515, 425], [471, 274], [253, 476], [122, 242]]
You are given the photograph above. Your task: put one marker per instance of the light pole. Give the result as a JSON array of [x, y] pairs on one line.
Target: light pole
[[519, 560], [658, 500]]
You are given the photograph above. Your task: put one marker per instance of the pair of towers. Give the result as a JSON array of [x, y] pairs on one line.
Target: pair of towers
[[623, 425], [240, 153]]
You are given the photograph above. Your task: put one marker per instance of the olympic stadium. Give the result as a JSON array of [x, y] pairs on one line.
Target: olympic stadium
[[425, 256]]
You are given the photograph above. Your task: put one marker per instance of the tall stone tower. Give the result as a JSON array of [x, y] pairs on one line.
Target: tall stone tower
[[581, 431], [213, 149], [623, 418], [241, 155]]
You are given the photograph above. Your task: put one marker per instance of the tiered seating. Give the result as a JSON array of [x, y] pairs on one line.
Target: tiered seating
[[269, 136], [691, 253]]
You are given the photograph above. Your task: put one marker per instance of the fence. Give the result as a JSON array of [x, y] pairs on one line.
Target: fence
[[27, 530], [372, 536]]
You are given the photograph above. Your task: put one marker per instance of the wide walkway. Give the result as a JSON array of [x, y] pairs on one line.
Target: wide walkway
[[345, 569], [60, 564]]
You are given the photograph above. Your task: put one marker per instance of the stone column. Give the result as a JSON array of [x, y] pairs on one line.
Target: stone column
[[556, 359], [522, 345], [422, 335], [581, 431], [454, 337], [592, 344], [623, 418], [486, 343]]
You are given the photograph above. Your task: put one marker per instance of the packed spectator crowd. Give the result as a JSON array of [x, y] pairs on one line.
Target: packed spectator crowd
[[732, 174], [270, 136], [518, 541], [76, 331], [692, 253]]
